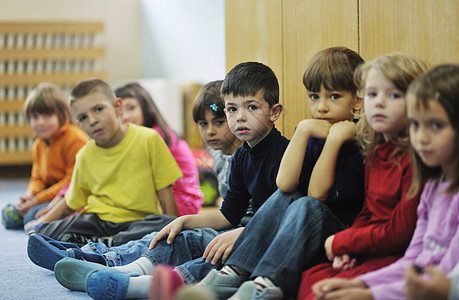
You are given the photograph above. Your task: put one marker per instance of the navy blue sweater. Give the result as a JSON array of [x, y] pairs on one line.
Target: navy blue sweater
[[254, 171]]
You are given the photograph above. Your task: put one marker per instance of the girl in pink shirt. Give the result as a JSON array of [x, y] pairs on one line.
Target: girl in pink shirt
[[139, 108]]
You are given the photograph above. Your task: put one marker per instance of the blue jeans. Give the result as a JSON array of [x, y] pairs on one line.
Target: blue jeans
[[123, 254], [185, 252], [285, 237], [30, 214]]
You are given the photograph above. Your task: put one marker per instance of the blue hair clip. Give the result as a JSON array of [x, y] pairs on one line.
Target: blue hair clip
[[214, 107]]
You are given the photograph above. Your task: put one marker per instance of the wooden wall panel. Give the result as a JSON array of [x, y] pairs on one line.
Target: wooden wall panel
[[309, 26], [428, 29], [254, 33]]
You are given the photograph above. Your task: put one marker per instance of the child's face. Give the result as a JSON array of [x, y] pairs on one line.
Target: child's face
[[333, 106], [216, 133], [132, 112], [45, 126], [432, 135], [249, 117], [385, 105], [99, 118]]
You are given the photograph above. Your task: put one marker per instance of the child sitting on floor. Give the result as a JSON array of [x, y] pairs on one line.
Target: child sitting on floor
[[123, 174], [56, 145], [432, 109], [140, 109]]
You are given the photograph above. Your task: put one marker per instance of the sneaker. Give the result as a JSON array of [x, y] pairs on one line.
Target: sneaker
[[223, 286], [46, 252], [166, 281], [71, 273], [248, 291], [11, 218]]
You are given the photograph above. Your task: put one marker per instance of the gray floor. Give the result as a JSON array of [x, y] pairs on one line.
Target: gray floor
[[19, 277]]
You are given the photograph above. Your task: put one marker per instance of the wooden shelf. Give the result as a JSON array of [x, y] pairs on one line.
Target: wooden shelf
[[27, 54], [60, 79], [16, 158], [16, 131], [14, 105], [34, 52], [61, 27]]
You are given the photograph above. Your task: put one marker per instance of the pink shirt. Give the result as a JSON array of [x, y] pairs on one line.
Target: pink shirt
[[187, 190]]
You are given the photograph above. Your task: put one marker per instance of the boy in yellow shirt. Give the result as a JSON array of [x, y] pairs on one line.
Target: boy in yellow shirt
[[123, 174]]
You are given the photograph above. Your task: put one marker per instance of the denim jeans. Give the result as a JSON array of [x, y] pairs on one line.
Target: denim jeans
[[186, 253], [285, 237], [30, 214], [123, 254]]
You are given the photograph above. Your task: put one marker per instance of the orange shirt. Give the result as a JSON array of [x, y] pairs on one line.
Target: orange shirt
[[53, 164]]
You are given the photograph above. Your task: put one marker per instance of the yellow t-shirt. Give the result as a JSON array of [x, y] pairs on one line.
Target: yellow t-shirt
[[119, 184]]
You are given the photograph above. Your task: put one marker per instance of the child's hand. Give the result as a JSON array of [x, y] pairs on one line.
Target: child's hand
[[221, 246], [26, 203], [342, 131], [42, 212], [170, 231], [316, 128], [436, 287], [343, 262], [339, 288], [328, 247]]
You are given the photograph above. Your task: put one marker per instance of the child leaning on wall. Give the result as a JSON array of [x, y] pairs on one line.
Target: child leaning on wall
[[56, 145], [286, 235], [384, 227], [122, 175], [432, 110]]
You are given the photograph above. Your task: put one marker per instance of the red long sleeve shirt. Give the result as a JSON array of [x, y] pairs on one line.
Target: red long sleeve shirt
[[388, 218]]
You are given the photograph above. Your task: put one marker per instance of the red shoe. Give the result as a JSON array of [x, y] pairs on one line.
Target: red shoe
[[165, 283]]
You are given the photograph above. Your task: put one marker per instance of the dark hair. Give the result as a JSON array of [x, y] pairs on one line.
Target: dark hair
[[333, 68], [440, 84], [47, 98], [151, 114], [209, 99], [89, 86], [249, 78]]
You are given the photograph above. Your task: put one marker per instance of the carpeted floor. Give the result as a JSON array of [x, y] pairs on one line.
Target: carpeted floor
[[19, 277]]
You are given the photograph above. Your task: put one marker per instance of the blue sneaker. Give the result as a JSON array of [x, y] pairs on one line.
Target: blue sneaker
[[72, 273], [46, 252], [11, 218], [108, 284]]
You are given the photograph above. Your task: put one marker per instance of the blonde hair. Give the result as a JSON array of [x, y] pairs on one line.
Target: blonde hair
[[401, 69], [47, 98]]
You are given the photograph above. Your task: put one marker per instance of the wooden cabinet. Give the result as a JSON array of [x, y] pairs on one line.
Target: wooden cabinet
[[31, 53]]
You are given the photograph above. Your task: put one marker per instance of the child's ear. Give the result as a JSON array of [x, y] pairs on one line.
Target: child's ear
[[118, 105], [276, 112]]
